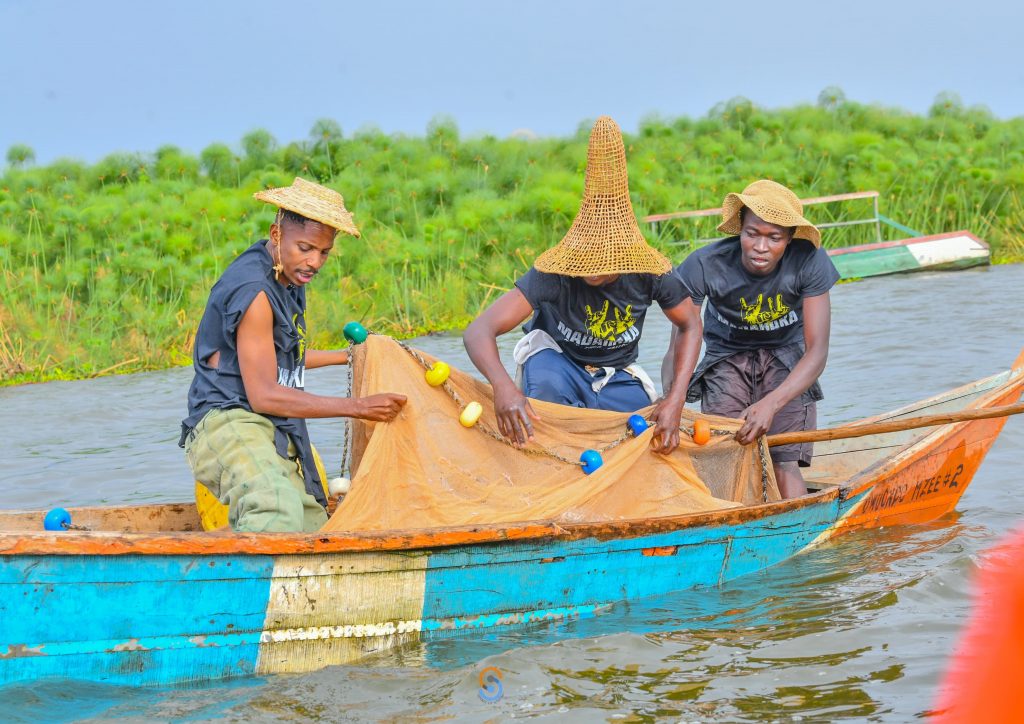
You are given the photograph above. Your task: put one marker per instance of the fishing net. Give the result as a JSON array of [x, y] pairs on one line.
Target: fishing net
[[425, 470]]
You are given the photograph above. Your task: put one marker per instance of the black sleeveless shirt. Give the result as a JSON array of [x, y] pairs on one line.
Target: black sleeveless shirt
[[221, 387]]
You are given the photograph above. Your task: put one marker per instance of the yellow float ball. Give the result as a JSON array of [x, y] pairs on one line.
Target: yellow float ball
[[471, 414], [437, 374]]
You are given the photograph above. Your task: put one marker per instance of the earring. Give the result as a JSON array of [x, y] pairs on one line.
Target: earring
[[278, 267]]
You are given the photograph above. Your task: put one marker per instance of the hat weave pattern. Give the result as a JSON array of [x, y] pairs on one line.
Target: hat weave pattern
[[604, 237], [774, 203], [313, 201]]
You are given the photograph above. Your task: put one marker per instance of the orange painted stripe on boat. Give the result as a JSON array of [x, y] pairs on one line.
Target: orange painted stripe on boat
[[111, 543]]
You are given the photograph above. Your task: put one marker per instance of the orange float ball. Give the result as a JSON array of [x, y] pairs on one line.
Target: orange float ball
[[701, 432]]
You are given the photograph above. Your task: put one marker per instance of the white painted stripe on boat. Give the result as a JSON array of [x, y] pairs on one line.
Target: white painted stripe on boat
[[333, 608], [943, 251], [362, 630]]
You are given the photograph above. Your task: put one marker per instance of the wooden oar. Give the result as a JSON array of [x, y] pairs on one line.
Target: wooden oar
[[842, 433]]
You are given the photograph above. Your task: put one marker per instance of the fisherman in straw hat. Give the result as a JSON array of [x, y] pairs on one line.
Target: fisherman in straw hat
[[245, 435], [586, 299], [766, 326]]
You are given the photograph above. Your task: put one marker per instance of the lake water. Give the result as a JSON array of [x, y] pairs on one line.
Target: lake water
[[859, 629]]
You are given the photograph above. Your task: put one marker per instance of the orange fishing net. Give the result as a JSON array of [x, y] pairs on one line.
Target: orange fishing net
[[425, 470]]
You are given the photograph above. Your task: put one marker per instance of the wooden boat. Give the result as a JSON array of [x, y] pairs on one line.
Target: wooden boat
[[145, 597], [916, 252]]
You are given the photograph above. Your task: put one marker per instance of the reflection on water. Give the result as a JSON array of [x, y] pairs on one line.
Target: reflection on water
[[857, 629]]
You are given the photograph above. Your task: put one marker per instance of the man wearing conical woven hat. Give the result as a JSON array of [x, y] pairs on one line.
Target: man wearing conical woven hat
[[586, 300], [245, 436], [766, 324]]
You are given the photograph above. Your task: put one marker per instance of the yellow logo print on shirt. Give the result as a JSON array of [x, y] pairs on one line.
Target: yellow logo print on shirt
[[757, 314], [302, 337], [603, 328]]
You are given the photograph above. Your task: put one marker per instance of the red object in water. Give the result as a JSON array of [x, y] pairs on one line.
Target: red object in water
[[983, 680]]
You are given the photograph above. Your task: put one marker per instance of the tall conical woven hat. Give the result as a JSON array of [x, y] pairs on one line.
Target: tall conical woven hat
[[604, 238], [313, 201], [774, 203]]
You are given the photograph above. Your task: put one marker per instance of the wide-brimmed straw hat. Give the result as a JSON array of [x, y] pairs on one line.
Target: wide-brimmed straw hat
[[313, 201], [774, 203], [604, 238]]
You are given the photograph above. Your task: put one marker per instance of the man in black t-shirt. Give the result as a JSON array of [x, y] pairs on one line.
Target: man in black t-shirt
[[766, 323], [587, 299], [245, 435]]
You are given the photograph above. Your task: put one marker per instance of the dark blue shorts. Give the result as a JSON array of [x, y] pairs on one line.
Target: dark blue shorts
[[551, 376]]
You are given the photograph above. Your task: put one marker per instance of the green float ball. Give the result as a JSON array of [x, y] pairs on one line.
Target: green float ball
[[355, 332]]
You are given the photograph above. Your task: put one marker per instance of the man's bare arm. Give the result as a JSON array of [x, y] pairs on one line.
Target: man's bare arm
[[257, 360]]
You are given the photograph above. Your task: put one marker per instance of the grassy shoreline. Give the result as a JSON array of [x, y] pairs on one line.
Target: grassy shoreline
[[105, 268]]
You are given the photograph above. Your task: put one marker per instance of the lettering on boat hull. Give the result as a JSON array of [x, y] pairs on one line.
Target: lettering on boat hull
[[908, 492]]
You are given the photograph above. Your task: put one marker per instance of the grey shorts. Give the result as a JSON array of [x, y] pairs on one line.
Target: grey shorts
[[735, 383]]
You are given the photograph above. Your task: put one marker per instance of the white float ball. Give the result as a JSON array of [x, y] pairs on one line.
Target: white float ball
[[339, 486]]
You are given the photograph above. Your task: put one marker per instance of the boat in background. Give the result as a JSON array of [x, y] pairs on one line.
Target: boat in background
[[141, 595], [916, 252]]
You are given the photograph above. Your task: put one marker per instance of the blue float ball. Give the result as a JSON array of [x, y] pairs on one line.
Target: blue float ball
[[57, 519], [591, 461], [355, 332], [637, 424]]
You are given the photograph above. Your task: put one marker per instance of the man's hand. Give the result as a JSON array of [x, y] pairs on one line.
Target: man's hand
[[381, 407], [758, 418], [666, 416], [514, 413]]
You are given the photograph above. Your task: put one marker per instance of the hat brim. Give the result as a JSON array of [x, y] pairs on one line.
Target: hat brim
[[314, 202], [734, 203], [572, 258], [604, 239]]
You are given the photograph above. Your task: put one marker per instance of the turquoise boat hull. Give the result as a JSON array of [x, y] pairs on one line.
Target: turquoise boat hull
[[163, 619]]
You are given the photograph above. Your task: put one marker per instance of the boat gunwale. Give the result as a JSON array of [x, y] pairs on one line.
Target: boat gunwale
[[202, 543]]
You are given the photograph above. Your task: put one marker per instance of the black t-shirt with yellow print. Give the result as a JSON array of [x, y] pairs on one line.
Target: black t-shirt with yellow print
[[597, 326], [746, 311]]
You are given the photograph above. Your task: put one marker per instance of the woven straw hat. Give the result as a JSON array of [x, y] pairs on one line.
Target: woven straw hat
[[774, 203], [314, 202], [604, 238]]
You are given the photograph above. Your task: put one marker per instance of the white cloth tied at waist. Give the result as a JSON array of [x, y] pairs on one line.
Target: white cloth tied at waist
[[539, 340]]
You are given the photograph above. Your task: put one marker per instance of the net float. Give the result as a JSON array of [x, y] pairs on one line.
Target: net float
[[57, 519], [591, 461], [701, 432], [355, 332], [438, 374], [636, 424], [339, 486], [471, 414]]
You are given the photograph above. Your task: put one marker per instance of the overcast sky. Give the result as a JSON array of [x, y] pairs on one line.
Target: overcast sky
[[84, 79]]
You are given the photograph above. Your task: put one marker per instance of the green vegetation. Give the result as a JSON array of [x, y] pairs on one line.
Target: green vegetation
[[106, 267]]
